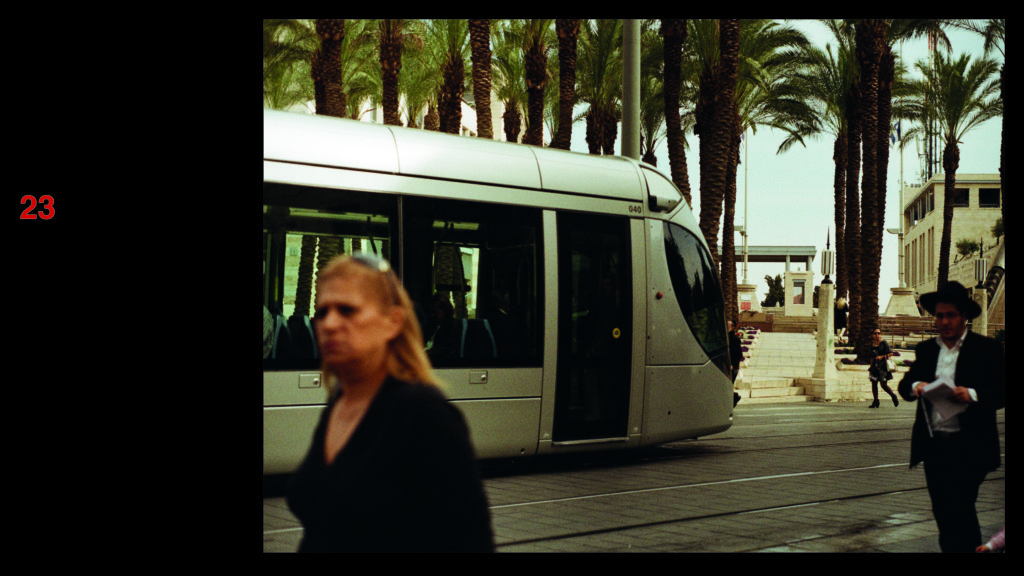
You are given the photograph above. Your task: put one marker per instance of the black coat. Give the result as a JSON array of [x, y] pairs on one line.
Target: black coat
[[406, 481], [981, 366]]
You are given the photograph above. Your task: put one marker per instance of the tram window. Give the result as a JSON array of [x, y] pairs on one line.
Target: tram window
[[302, 229], [473, 272], [697, 288]]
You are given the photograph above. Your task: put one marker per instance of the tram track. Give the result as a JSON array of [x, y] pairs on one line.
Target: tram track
[[859, 484], [736, 513]]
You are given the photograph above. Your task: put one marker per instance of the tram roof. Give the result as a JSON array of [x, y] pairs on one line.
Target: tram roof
[[344, 143]]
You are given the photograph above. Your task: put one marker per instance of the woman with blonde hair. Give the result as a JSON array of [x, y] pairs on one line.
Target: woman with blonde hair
[[391, 466]]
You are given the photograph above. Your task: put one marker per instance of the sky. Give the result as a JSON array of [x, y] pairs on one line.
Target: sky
[[788, 198]]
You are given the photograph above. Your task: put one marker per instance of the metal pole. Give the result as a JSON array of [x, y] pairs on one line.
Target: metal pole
[[900, 257], [746, 194], [631, 89]]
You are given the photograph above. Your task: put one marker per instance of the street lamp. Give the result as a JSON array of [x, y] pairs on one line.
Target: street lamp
[[827, 257]]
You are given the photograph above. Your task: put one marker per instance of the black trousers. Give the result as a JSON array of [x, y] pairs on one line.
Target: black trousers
[[953, 484]]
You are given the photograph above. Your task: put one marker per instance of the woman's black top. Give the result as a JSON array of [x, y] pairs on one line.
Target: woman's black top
[[406, 481], [879, 369]]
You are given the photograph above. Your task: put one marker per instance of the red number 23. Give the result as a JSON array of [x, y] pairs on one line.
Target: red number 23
[[47, 203]]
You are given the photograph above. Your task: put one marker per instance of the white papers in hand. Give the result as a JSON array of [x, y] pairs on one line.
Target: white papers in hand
[[939, 393]]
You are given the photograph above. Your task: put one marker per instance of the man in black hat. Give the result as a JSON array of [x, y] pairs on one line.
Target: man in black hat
[[959, 450]]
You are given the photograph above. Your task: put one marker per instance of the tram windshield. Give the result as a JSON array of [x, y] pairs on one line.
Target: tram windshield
[[697, 288]]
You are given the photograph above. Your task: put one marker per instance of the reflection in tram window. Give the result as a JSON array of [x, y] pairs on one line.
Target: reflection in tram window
[[472, 271], [697, 288], [303, 228]]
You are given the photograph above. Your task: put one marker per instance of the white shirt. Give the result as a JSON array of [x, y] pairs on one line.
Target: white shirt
[[946, 368]]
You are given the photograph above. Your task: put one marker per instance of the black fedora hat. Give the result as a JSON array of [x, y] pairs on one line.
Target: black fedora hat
[[953, 293]]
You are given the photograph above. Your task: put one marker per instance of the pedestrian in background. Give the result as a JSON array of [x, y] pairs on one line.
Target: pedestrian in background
[[879, 372], [391, 467], [840, 321], [735, 356], [958, 450]]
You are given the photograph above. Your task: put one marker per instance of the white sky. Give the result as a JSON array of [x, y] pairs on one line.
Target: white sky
[[790, 199]]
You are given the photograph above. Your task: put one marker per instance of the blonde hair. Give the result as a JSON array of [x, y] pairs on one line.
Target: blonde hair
[[406, 360], [841, 302]]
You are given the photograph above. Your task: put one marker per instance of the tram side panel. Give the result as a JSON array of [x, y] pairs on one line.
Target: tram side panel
[[688, 392]]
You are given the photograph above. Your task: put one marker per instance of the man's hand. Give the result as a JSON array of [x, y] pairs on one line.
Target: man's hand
[[961, 394], [918, 388]]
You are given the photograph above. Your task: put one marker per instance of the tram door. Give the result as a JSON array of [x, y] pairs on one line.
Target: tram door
[[595, 328]]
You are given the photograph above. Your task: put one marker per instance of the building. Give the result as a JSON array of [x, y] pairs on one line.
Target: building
[[976, 210]]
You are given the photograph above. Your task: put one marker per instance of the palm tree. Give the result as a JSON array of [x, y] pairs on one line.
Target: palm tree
[[771, 55], [716, 120], [536, 39], [453, 70], [674, 33], [599, 72], [877, 73], [870, 39], [827, 79], [326, 69], [509, 77], [568, 32], [960, 94], [361, 73], [652, 90], [391, 42], [287, 45], [480, 40]]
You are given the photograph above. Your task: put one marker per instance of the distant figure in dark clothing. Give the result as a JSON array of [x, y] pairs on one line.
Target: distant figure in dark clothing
[[879, 372], [841, 309], [735, 356]]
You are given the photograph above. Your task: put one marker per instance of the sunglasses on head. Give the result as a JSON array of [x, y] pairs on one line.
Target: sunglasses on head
[[371, 261]]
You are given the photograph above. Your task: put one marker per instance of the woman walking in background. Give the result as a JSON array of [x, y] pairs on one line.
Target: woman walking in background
[[879, 370]]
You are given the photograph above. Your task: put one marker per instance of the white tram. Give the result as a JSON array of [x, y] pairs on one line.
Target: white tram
[[568, 301]]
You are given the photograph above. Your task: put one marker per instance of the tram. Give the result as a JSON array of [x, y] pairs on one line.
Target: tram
[[568, 301]]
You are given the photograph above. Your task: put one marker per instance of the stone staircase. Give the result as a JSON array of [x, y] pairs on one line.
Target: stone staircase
[[771, 367], [777, 368], [773, 390]]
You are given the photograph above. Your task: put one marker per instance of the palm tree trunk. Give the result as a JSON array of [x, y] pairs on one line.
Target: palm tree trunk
[[512, 121], [595, 130], [432, 120], [610, 133], [674, 32], [715, 131], [449, 99], [728, 274], [568, 31], [304, 287], [390, 66], [326, 69], [870, 39], [950, 164], [480, 38], [536, 59], [839, 188], [852, 230]]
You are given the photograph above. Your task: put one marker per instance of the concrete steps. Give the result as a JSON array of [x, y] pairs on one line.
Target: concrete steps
[[772, 390]]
